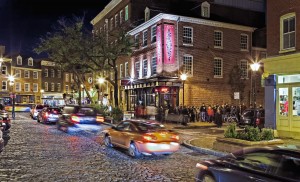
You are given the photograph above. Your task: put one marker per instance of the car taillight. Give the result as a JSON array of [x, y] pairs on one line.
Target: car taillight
[[149, 137], [176, 137], [75, 119], [100, 119]]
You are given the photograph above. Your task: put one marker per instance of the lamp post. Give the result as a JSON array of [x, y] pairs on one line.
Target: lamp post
[[183, 77], [100, 81], [11, 83], [254, 67]]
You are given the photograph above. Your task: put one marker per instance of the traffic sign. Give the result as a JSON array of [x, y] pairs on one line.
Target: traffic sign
[[236, 95]]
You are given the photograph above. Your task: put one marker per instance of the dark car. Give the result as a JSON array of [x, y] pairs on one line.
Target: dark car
[[252, 117], [5, 120], [36, 109], [49, 115], [252, 164], [76, 117]]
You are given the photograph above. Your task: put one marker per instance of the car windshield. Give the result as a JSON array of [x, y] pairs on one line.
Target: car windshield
[[39, 107], [148, 126]]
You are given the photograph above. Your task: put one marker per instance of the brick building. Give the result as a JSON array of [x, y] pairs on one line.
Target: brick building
[[5, 65]]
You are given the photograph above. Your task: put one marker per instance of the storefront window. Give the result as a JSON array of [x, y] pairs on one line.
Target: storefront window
[[288, 79], [283, 101], [296, 101]]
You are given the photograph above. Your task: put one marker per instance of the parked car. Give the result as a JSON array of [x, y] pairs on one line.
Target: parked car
[[252, 164], [79, 118], [5, 119], [142, 137], [248, 117], [36, 109], [49, 115]]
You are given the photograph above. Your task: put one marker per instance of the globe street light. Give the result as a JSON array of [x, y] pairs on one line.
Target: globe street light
[[11, 83], [183, 77], [254, 67]]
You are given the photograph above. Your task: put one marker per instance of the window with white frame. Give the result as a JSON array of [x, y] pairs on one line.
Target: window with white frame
[[46, 86], [58, 73], [111, 23], [153, 34], [27, 87], [136, 40], [67, 77], [46, 72], [121, 16], [126, 69], [218, 68], [35, 75], [4, 85], [4, 69], [205, 9], [18, 87], [145, 35], [244, 42], [218, 42], [19, 60], [35, 87], [58, 87], [105, 28], [145, 67], [67, 88], [52, 86], [18, 73], [187, 35], [30, 62], [52, 73], [153, 64], [72, 77], [121, 70], [244, 68], [126, 13], [116, 20], [26, 74], [288, 31], [188, 64], [137, 69]]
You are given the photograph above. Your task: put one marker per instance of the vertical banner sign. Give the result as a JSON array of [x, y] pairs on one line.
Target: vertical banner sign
[[158, 45], [169, 44]]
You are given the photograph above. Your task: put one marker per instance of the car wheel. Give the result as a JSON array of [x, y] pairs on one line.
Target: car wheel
[[107, 141], [133, 151]]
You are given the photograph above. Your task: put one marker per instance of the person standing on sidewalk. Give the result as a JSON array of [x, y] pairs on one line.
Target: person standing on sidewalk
[[218, 118], [203, 112]]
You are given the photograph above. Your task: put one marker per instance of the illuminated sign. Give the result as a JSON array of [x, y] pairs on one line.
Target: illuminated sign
[[169, 46], [158, 45], [162, 89]]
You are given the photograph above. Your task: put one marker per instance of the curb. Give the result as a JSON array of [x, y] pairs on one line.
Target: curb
[[203, 150]]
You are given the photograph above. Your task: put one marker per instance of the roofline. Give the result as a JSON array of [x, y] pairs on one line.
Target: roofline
[[189, 20]]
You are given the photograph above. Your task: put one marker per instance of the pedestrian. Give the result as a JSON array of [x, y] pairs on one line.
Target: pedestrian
[[185, 116], [203, 112], [218, 118], [210, 114]]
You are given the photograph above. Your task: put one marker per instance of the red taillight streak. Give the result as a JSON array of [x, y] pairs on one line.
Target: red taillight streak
[[74, 119]]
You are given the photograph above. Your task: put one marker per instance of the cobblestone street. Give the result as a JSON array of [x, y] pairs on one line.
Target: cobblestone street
[[39, 152]]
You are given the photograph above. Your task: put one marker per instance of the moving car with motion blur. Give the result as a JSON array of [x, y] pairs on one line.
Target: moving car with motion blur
[[34, 111], [253, 164], [76, 118], [4, 118], [49, 115], [142, 137]]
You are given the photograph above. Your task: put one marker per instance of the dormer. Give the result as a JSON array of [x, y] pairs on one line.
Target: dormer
[[30, 61], [205, 9], [19, 60], [147, 14]]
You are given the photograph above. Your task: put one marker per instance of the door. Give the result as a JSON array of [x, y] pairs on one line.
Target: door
[[296, 108], [283, 108]]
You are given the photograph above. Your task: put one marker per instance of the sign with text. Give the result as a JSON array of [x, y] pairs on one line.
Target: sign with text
[[236, 95], [169, 44], [159, 45]]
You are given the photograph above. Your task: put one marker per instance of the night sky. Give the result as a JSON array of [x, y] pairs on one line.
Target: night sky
[[23, 22]]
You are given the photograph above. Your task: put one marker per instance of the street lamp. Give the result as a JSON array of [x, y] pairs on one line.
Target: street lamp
[[183, 77], [100, 81], [11, 83], [254, 67]]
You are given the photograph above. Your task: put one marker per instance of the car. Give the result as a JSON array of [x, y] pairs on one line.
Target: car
[[36, 108], [142, 137], [75, 117], [269, 163], [248, 118], [5, 119], [49, 115]]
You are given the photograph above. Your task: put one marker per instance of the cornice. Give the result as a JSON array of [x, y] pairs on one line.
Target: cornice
[[106, 10], [22, 68], [189, 20]]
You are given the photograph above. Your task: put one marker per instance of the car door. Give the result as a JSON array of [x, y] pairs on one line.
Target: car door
[[118, 132]]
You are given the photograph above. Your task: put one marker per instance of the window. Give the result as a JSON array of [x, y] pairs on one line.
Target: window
[[105, 28], [137, 69], [121, 16], [153, 34], [218, 68], [52, 73], [188, 64], [205, 9], [288, 31], [18, 87], [58, 73], [244, 69], [72, 77], [145, 67], [218, 42], [116, 20], [46, 72], [111, 23], [35, 87], [67, 88], [18, 73], [187, 35], [126, 69], [136, 40], [67, 77], [121, 70], [30, 62], [145, 35], [244, 42], [126, 13], [4, 85], [58, 87], [26, 74], [19, 60], [27, 87], [154, 64], [52, 87], [35, 75], [4, 70], [46, 86]]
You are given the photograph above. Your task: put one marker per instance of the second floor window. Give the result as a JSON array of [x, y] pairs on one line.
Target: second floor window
[[153, 64], [26, 74], [35, 75], [4, 85], [218, 68], [111, 23], [18, 87], [137, 69], [35, 87], [187, 35], [121, 16], [218, 42], [52, 87], [145, 35], [188, 64], [121, 70], [58, 87], [58, 73], [67, 77], [46, 73], [153, 34], [116, 20], [18, 73], [244, 69], [289, 32], [4, 70], [136, 40], [145, 67], [126, 69], [27, 87], [46, 86], [52, 73], [244, 42]]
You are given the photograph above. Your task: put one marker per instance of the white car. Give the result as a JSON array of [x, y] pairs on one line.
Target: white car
[[35, 110]]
